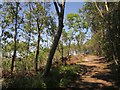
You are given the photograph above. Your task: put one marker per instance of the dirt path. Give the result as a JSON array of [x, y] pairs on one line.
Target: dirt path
[[97, 75]]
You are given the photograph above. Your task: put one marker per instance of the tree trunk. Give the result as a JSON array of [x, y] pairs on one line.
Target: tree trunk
[[37, 51], [56, 38], [78, 44], [28, 49], [69, 46], [15, 39], [0, 52], [1, 44], [62, 49]]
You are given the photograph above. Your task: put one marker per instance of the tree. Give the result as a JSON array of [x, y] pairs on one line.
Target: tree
[[15, 35], [38, 13], [60, 47], [76, 25], [13, 20], [4, 23], [60, 12], [28, 27], [104, 23], [2, 26]]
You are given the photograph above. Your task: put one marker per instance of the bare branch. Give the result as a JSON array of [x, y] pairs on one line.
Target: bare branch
[[56, 7], [60, 5], [63, 3], [98, 9], [106, 6]]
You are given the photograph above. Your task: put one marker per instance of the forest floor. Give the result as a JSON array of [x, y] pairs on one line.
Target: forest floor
[[87, 72], [97, 75]]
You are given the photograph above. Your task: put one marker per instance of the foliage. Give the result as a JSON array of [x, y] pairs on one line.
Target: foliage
[[29, 29], [58, 77], [24, 82]]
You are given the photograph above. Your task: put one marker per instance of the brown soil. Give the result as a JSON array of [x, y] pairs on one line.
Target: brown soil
[[97, 74]]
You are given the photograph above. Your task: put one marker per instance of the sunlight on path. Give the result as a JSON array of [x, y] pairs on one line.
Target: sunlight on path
[[98, 68], [95, 80]]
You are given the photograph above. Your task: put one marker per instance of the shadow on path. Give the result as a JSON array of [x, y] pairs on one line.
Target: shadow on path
[[97, 75]]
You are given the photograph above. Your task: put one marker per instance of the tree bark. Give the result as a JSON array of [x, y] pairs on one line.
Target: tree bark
[[38, 42], [69, 47], [62, 52], [15, 39], [28, 45], [56, 38]]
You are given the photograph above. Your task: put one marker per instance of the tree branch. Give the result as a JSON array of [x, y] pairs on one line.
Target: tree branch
[[60, 5], [98, 9], [63, 4], [56, 7], [106, 6]]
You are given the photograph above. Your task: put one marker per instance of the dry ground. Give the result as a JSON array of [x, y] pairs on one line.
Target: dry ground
[[97, 74]]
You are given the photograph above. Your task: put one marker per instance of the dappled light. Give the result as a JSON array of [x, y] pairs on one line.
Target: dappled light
[[91, 74], [60, 45]]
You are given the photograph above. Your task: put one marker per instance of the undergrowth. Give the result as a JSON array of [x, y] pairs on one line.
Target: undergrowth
[[58, 77]]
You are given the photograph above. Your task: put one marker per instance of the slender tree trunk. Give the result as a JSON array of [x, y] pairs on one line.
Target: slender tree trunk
[[62, 49], [69, 45], [0, 51], [106, 5], [29, 39], [100, 12], [37, 54], [1, 43], [28, 46], [37, 48], [57, 37], [28, 49], [29, 35], [15, 39], [79, 48], [75, 47]]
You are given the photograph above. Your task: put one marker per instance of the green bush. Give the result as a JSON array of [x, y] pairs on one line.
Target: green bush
[[25, 82], [63, 82]]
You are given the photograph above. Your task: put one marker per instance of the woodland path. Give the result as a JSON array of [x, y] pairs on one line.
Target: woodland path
[[97, 75]]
